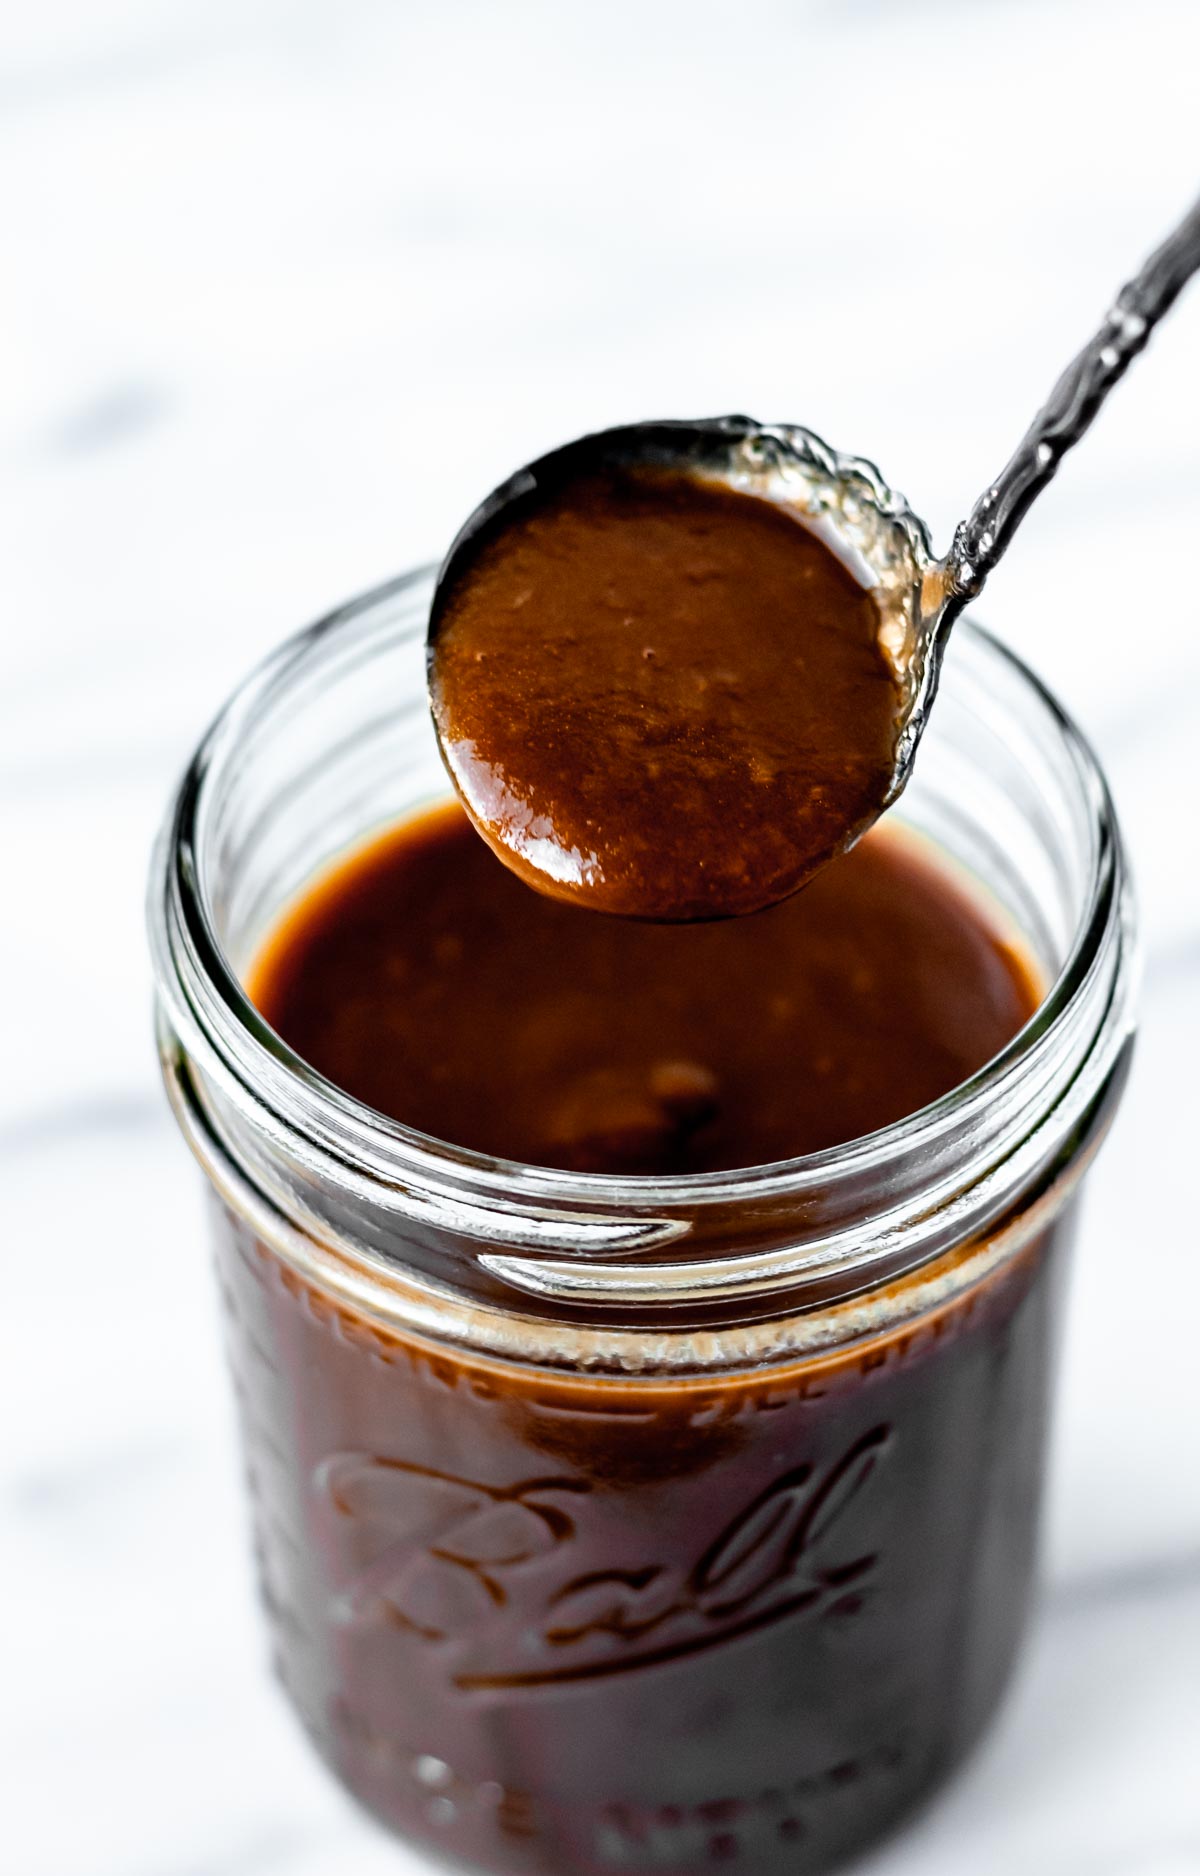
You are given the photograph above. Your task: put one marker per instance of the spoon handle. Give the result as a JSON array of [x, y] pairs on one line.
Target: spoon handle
[[982, 538]]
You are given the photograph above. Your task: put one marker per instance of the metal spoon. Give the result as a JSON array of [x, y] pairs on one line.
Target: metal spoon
[[846, 498]]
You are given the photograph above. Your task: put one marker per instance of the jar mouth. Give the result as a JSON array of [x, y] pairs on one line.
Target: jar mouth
[[216, 1022]]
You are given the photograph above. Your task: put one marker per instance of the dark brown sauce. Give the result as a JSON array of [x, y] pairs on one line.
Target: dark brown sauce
[[661, 697], [562, 1624], [425, 979]]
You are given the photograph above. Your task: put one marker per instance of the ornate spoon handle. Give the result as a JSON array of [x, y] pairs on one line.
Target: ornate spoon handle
[[982, 538]]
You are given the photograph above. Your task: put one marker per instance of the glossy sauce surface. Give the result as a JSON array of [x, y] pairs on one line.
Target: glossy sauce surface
[[429, 982], [661, 697]]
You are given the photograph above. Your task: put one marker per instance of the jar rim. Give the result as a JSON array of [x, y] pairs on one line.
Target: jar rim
[[222, 1022]]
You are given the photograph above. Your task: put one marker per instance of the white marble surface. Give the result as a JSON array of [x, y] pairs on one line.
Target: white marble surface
[[286, 287]]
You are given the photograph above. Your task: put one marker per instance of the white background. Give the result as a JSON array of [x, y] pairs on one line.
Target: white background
[[283, 290]]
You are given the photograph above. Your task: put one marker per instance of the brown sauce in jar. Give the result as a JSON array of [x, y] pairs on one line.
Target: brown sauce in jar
[[426, 980], [578, 1624], [564, 1626], [661, 697]]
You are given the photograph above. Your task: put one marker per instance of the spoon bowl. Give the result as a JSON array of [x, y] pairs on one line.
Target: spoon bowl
[[867, 528]]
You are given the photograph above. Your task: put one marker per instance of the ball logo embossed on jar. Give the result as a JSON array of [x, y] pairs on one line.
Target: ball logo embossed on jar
[[467, 1566]]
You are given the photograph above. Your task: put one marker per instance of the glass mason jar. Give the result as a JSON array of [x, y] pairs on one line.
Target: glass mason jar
[[616, 1524]]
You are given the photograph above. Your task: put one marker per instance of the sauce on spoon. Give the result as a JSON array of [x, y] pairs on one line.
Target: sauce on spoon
[[661, 697]]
